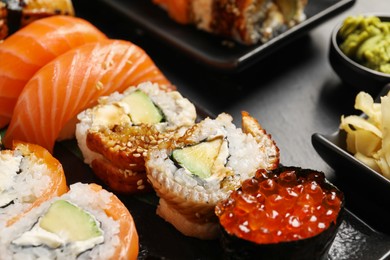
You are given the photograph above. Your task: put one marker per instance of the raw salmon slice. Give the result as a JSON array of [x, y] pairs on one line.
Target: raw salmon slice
[[128, 247], [49, 103], [27, 50]]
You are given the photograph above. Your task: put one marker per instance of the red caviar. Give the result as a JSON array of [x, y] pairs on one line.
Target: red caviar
[[281, 206]]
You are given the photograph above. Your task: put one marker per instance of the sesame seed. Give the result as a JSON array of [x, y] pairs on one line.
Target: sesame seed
[[99, 85]]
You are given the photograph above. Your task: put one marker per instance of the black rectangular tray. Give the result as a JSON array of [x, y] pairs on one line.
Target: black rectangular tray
[[158, 239], [210, 50], [356, 239], [364, 184]]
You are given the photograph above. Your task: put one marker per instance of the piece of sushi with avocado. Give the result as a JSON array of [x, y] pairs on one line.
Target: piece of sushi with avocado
[[190, 174], [115, 135], [87, 222]]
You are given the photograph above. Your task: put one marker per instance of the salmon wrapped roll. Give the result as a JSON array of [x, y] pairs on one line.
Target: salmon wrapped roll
[[192, 173], [115, 135], [87, 222], [248, 22], [29, 175]]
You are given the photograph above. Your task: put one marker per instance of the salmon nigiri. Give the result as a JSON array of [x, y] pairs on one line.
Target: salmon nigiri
[[47, 108], [27, 50]]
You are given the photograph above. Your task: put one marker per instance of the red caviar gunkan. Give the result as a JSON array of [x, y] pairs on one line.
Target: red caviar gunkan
[[280, 206]]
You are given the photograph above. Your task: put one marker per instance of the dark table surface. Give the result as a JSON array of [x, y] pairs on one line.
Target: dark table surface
[[294, 92]]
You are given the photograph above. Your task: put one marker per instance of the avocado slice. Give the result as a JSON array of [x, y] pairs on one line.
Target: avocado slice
[[68, 220], [198, 159], [142, 108]]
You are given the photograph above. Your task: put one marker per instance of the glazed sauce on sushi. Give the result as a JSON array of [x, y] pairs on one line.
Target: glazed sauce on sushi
[[280, 206]]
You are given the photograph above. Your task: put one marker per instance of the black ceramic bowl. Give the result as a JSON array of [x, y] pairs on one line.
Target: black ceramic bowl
[[353, 73]]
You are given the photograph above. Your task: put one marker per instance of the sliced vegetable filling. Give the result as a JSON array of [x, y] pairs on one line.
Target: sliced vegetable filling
[[199, 159], [142, 110], [73, 223], [63, 224]]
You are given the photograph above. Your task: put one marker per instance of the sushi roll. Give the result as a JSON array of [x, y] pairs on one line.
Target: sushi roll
[[287, 213], [87, 222], [115, 135], [192, 173], [248, 22], [29, 175]]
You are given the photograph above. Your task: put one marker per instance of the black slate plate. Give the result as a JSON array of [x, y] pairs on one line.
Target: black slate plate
[[368, 190], [158, 239], [211, 50], [332, 148]]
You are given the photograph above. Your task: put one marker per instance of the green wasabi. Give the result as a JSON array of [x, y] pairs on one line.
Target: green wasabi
[[366, 40]]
